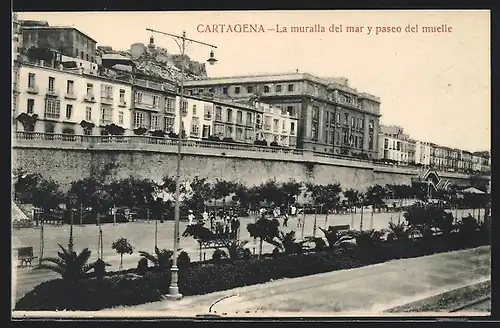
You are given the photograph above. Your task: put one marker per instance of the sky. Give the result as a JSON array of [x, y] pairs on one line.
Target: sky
[[436, 86]]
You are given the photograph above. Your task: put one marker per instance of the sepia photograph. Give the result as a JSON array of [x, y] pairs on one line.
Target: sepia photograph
[[239, 164]]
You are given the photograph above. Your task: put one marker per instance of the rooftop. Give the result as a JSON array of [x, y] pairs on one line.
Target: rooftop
[[57, 28]]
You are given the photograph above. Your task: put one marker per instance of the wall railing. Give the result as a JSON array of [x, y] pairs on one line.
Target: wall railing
[[190, 143]]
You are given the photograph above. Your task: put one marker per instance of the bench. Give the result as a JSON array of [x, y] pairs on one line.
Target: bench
[[25, 255]]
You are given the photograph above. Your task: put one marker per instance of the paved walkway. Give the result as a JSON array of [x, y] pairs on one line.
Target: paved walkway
[[367, 290]]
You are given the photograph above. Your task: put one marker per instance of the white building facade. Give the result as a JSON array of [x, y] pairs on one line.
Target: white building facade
[[423, 153], [276, 125], [62, 99], [394, 145]]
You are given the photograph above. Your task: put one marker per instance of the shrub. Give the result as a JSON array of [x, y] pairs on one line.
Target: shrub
[[93, 294], [183, 259], [218, 255], [142, 266]]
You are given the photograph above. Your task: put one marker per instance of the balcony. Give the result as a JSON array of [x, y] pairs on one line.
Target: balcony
[[207, 117], [122, 103], [106, 99], [89, 97], [52, 92], [70, 95], [170, 110], [145, 106], [184, 112], [267, 127], [32, 89]]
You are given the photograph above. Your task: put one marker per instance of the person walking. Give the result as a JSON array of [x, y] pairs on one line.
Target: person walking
[[190, 217], [285, 218]]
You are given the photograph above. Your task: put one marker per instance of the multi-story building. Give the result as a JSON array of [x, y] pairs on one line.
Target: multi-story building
[[277, 126], [439, 158], [196, 117], [69, 41], [62, 99], [423, 153], [467, 160], [333, 117], [482, 161], [394, 145], [17, 37], [235, 120]]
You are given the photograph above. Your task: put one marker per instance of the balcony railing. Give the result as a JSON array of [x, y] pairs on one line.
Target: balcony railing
[[106, 99], [207, 117], [70, 95], [89, 97], [32, 89], [52, 92], [122, 103]]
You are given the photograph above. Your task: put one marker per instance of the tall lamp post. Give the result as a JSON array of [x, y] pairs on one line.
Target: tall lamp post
[[173, 291], [72, 201]]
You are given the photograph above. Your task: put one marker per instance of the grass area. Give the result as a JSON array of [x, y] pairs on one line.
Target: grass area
[[448, 300]]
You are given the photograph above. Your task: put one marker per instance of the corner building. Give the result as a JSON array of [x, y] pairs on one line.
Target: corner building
[[332, 116]]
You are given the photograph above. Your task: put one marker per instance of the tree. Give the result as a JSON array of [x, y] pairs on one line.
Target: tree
[[114, 130], [271, 192], [71, 266], [200, 191], [28, 121], [427, 218], [25, 186], [86, 190], [375, 197], [334, 236], [353, 198], [222, 189], [288, 243], [264, 229], [398, 231], [290, 191], [242, 195], [122, 246]]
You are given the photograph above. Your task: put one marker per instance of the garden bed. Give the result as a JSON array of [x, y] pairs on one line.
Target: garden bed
[[122, 289]]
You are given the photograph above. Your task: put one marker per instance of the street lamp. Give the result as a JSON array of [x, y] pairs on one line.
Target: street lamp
[[72, 201], [173, 291]]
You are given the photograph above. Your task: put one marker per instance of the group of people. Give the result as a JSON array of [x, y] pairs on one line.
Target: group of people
[[222, 222], [279, 212]]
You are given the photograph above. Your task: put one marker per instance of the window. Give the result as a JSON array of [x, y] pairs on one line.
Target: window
[[370, 142], [87, 57], [229, 116], [139, 119], [120, 117], [266, 89], [51, 83], [345, 139], [249, 119], [315, 112], [155, 122], [69, 110], [184, 107], [219, 130], [239, 134], [237, 90], [69, 87], [106, 115], [122, 96], [170, 105], [316, 90], [169, 124], [207, 112], [106, 91], [31, 80], [30, 106], [88, 114], [290, 88], [138, 97], [52, 108], [292, 127], [205, 131], [278, 88], [314, 132], [218, 113], [249, 89], [249, 134], [276, 124], [76, 50], [156, 101], [81, 54], [194, 110], [386, 143], [371, 125], [327, 116], [337, 138], [346, 119], [353, 124], [239, 117], [87, 132], [90, 90], [195, 129], [337, 118], [224, 90]]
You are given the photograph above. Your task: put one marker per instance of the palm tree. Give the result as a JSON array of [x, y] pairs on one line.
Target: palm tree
[[162, 258], [236, 249], [71, 266], [398, 231], [335, 237]]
